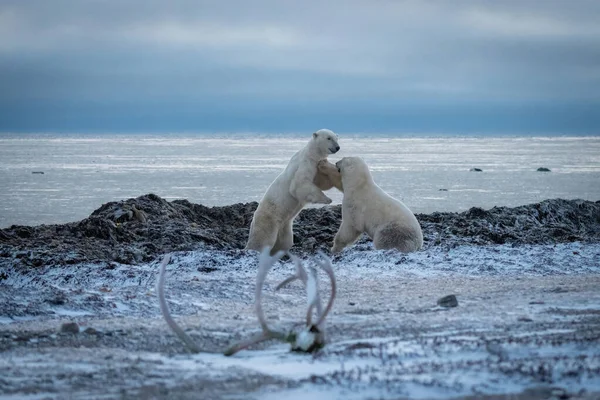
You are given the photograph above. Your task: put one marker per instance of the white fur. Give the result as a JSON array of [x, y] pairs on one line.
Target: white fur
[[294, 188], [367, 208]]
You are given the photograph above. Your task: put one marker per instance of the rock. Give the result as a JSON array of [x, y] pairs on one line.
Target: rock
[[207, 270], [543, 169], [558, 289], [37, 172], [91, 331], [476, 170], [497, 350], [524, 319], [443, 190], [57, 299], [69, 327], [139, 214], [448, 301]]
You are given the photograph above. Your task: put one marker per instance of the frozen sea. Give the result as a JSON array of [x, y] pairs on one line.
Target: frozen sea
[[81, 172]]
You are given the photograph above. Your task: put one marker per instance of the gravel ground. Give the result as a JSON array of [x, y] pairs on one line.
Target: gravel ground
[[527, 326]]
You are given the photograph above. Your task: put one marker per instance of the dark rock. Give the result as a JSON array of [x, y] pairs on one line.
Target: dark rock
[[558, 289], [37, 172], [58, 299], [543, 169], [443, 190], [448, 301], [207, 270], [476, 170], [476, 212], [524, 319], [69, 327], [91, 331]]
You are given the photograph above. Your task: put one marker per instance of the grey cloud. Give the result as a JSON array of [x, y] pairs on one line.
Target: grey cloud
[[442, 51]]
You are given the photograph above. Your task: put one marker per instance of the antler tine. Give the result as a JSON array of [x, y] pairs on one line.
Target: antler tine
[[300, 273], [164, 308], [262, 337], [312, 292], [325, 264], [265, 262]]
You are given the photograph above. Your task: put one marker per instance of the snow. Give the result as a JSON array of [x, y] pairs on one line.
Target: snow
[[387, 336]]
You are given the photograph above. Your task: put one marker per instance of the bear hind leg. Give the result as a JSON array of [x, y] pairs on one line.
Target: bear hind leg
[[285, 238], [262, 235], [396, 236]]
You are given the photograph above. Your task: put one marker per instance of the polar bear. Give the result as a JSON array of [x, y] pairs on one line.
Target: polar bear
[[367, 208], [294, 188]]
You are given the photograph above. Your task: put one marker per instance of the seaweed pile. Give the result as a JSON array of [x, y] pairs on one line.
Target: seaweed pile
[[138, 230]]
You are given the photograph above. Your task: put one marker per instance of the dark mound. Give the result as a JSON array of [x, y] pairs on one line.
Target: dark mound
[[139, 230]]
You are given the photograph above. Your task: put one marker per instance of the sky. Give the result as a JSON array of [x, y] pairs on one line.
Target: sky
[[457, 67]]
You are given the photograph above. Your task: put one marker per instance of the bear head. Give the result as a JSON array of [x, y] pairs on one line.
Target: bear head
[[326, 141], [354, 171]]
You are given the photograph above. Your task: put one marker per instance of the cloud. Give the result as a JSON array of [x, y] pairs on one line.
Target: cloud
[[379, 52]]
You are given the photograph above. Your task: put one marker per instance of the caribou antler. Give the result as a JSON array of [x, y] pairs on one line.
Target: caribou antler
[[325, 264], [164, 308], [312, 337]]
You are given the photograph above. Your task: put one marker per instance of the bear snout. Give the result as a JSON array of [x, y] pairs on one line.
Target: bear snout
[[334, 150]]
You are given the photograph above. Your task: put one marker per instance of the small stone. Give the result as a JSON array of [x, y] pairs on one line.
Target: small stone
[[558, 289], [448, 301], [69, 327], [543, 169], [475, 170], [497, 350], [443, 190], [524, 319], [352, 303], [37, 172], [58, 299], [91, 331], [559, 393]]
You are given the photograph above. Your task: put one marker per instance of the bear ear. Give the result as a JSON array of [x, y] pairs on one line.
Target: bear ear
[[315, 134]]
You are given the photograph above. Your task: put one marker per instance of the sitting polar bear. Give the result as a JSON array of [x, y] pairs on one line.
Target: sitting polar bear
[[367, 208], [295, 187]]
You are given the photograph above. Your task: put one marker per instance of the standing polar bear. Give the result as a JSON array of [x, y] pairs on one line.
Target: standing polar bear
[[295, 187], [367, 208]]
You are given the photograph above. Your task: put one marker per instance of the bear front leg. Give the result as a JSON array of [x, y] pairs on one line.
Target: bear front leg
[[345, 236], [307, 192]]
